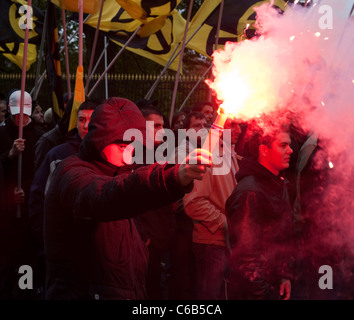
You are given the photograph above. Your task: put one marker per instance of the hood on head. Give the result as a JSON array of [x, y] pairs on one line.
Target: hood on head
[[109, 122]]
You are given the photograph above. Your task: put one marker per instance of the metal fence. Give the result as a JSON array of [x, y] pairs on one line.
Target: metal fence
[[130, 86]]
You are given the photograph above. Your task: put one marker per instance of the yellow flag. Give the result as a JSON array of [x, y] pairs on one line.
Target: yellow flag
[[160, 33], [79, 96], [90, 6], [237, 23], [14, 52], [13, 25]]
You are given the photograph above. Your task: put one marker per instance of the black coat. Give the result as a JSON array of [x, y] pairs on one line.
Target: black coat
[[37, 191], [92, 247], [17, 246], [8, 134], [261, 233]]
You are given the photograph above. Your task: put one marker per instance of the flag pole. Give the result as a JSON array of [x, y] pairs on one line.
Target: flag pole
[[209, 68], [39, 61], [94, 47], [180, 60], [67, 70], [114, 60], [195, 86], [105, 65], [60, 52], [81, 15], [99, 59], [217, 38], [168, 63], [23, 84]]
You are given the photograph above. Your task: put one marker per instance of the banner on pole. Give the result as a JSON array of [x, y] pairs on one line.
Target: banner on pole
[[237, 23], [162, 30], [13, 25], [52, 60]]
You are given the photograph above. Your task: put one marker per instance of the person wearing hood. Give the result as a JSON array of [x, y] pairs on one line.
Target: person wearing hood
[[42, 177], [56, 154], [261, 222], [92, 247]]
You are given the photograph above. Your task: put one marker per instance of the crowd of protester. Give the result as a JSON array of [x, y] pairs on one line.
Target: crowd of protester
[[91, 225]]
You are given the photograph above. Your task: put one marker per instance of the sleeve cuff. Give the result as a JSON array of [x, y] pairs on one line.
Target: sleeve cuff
[[172, 183]]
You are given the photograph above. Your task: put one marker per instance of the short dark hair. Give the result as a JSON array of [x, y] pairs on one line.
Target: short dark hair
[[146, 103], [176, 116], [187, 119], [147, 110], [88, 105], [262, 135], [200, 104]]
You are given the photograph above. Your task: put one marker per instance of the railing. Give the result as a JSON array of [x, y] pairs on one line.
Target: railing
[[130, 86]]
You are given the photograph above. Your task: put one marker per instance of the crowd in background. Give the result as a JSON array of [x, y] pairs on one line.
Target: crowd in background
[[242, 235]]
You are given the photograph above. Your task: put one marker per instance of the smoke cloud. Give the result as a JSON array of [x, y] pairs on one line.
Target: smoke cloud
[[302, 63]]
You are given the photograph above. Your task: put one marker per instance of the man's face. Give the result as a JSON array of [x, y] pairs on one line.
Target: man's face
[[179, 122], [118, 154], [83, 120], [197, 124], [278, 155], [2, 111], [235, 130], [158, 125], [37, 115], [208, 111]]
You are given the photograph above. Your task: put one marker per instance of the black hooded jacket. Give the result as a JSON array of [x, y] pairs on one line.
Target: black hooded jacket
[[92, 247], [261, 232]]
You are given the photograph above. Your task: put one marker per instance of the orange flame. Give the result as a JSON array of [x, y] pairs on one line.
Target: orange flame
[[243, 82]]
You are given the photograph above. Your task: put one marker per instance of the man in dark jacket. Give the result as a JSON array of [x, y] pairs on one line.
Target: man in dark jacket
[[56, 154], [155, 226], [260, 222], [92, 247], [53, 137], [38, 187], [17, 246]]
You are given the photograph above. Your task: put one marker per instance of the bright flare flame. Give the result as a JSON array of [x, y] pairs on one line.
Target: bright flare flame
[[243, 81], [330, 164], [230, 85]]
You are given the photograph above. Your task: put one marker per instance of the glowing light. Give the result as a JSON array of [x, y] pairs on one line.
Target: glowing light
[[330, 164], [317, 34], [326, 38], [243, 82], [323, 104], [233, 89], [245, 30], [292, 38]]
